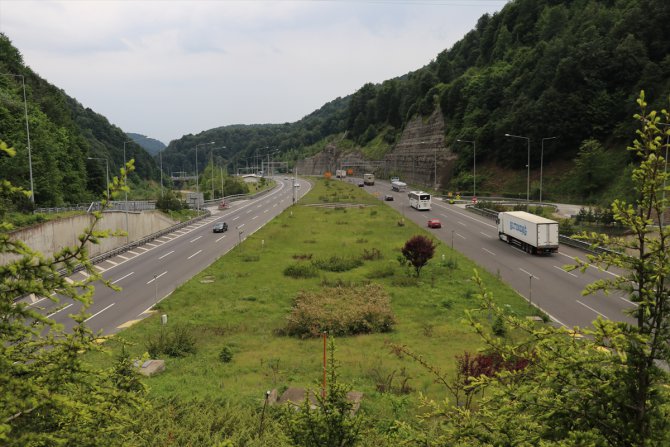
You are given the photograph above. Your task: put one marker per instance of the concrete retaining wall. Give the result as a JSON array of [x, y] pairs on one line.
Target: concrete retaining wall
[[52, 236]]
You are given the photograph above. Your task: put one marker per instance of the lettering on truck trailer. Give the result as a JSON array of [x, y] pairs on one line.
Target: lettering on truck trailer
[[520, 228]]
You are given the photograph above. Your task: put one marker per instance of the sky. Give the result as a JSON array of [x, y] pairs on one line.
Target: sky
[[168, 68]]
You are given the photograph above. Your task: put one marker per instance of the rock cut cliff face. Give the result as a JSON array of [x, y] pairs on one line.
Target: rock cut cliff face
[[418, 157]]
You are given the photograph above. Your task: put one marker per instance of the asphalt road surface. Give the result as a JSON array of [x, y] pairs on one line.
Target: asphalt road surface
[[540, 279], [151, 272]]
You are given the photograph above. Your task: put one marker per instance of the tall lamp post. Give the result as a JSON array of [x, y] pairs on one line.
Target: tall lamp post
[[474, 165], [106, 172], [25, 111], [211, 156], [527, 167], [542, 163], [125, 183], [197, 184], [160, 157]]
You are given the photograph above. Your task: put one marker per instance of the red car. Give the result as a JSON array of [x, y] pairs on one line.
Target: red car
[[434, 223]]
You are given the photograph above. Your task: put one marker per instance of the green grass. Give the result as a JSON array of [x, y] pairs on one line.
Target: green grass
[[243, 299]]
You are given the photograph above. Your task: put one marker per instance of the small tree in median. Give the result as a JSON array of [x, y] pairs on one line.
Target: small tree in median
[[418, 250]]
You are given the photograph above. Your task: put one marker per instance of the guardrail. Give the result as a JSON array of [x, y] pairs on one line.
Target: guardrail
[[116, 205]]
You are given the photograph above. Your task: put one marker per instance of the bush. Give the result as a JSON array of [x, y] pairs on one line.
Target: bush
[[341, 311], [300, 271], [372, 254], [177, 342], [418, 250], [337, 264], [226, 354]]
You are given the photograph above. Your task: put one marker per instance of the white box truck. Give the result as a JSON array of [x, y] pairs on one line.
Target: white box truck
[[340, 173], [533, 234], [369, 179]]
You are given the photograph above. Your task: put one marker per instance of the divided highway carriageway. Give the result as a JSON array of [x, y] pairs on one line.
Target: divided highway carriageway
[[150, 272]]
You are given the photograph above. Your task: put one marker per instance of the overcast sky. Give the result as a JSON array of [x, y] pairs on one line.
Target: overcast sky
[[166, 68]]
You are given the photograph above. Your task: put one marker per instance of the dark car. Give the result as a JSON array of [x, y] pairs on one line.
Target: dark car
[[434, 223], [220, 227], [361, 184], [388, 198]]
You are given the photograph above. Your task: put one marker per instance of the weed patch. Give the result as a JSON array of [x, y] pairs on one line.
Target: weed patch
[[340, 312], [300, 270], [176, 342], [337, 264]]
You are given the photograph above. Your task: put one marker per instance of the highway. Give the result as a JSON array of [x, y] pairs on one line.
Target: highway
[[149, 273], [540, 279]]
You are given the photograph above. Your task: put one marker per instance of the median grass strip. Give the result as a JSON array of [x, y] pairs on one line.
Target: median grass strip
[[248, 302]]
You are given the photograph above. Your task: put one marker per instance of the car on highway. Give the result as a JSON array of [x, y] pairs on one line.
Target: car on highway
[[361, 184], [220, 227], [434, 223], [388, 198]]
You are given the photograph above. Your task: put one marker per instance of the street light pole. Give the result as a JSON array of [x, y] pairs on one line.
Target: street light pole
[[527, 168], [25, 111], [125, 184], [474, 165], [160, 156], [197, 183], [542, 163], [106, 172]]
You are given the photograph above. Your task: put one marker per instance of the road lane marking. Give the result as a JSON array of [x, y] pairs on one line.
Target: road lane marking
[[254, 217], [572, 258], [249, 211], [193, 240], [459, 235], [54, 313], [142, 248], [166, 254], [488, 251], [266, 211], [152, 245], [629, 301], [84, 273], [123, 277], [37, 301], [194, 254], [112, 262], [273, 206], [461, 223], [569, 273], [134, 252], [220, 238], [487, 235], [158, 276], [98, 313], [122, 257], [236, 217], [127, 324], [591, 308], [528, 273], [100, 269], [68, 280]]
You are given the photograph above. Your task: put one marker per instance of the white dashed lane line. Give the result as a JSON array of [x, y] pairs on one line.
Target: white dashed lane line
[[195, 254], [195, 239], [591, 308], [166, 254], [123, 277], [156, 277], [59, 310], [569, 273], [489, 252], [98, 313]]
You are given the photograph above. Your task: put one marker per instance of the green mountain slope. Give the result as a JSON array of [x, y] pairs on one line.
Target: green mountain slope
[[538, 68], [63, 135], [151, 145]]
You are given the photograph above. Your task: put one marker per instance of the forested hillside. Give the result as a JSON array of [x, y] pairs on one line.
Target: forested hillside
[[63, 135], [151, 145], [538, 68]]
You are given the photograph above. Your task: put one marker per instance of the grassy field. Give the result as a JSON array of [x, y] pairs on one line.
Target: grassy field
[[243, 300]]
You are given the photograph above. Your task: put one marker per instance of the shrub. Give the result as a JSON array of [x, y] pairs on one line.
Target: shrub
[[372, 254], [300, 271], [226, 354], [177, 342], [341, 311], [302, 256], [337, 264], [405, 281], [250, 258]]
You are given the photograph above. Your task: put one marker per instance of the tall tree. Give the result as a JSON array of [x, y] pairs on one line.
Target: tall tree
[[48, 394]]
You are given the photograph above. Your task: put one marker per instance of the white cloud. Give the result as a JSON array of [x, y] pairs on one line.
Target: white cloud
[[168, 68]]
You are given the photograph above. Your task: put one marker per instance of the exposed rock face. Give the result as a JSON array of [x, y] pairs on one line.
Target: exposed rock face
[[417, 158]]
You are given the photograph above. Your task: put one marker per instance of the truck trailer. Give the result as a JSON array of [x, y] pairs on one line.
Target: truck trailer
[[533, 234]]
